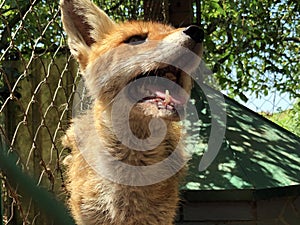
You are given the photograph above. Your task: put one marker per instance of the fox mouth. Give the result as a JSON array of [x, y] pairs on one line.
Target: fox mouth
[[160, 92]]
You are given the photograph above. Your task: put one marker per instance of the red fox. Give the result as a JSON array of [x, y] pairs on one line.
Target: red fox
[[127, 159]]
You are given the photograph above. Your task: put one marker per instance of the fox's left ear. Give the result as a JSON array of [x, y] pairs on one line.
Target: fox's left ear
[[84, 23]]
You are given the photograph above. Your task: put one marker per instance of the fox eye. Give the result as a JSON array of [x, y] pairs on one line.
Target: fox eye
[[136, 39]]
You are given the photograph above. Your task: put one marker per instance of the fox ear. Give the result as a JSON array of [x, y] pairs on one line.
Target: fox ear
[[85, 24]]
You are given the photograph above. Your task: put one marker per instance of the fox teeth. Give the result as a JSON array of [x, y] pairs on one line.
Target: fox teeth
[[167, 97], [147, 92]]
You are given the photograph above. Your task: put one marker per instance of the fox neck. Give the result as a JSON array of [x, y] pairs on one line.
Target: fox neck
[[123, 145], [124, 203]]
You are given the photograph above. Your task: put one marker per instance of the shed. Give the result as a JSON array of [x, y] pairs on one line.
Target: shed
[[253, 180]]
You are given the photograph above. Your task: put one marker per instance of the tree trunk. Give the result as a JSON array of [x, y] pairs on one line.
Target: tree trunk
[[156, 10], [181, 13]]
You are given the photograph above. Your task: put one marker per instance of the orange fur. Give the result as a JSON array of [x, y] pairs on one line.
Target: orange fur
[[122, 31], [108, 65]]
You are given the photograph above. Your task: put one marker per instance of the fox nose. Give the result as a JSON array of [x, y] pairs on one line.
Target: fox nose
[[195, 32]]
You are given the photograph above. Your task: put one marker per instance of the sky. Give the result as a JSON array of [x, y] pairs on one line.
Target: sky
[[272, 103]]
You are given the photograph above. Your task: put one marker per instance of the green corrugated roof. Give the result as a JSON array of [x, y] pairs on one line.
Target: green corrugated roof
[[255, 154]]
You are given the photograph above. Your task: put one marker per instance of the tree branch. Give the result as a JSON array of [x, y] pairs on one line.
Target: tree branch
[[116, 6], [4, 43], [294, 39], [213, 26]]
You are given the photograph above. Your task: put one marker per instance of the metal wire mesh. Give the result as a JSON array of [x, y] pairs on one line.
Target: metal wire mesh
[[38, 79], [37, 83]]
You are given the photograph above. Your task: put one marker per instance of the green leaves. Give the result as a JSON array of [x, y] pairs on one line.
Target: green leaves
[[253, 40], [245, 40], [289, 119], [216, 8]]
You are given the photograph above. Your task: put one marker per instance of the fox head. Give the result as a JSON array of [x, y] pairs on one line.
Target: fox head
[[152, 60]]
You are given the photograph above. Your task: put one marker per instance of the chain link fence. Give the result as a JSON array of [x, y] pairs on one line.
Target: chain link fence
[[38, 79]]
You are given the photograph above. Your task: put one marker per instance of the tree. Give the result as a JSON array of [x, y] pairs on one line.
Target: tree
[[288, 119], [253, 45], [29, 27]]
